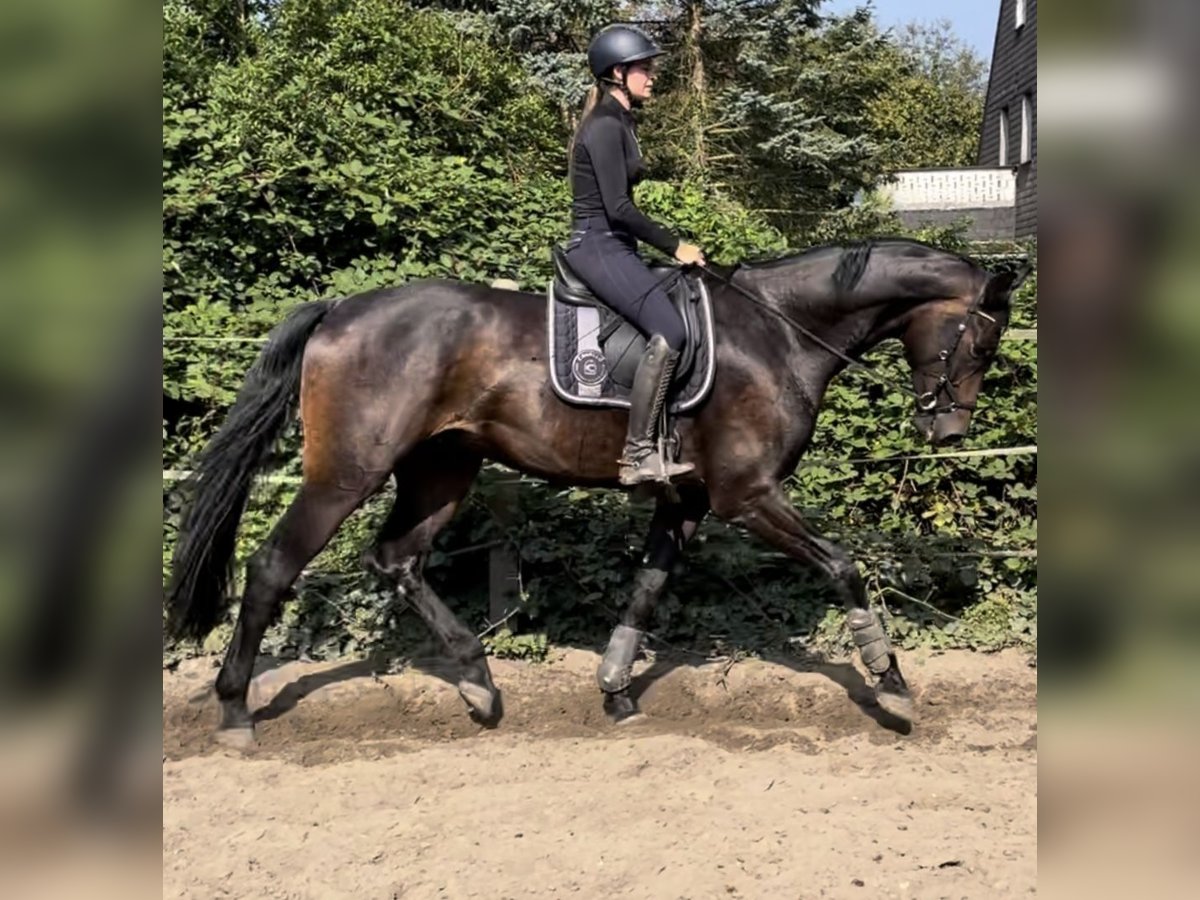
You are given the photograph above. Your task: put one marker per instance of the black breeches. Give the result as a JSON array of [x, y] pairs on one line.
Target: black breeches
[[610, 266]]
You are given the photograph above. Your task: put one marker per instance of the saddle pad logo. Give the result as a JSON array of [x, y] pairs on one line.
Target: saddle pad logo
[[589, 367]]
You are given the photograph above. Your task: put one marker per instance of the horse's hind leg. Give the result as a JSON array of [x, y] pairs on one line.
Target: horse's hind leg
[[310, 521], [430, 484]]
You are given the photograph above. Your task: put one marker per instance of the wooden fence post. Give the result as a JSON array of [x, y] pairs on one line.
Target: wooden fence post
[[504, 573]]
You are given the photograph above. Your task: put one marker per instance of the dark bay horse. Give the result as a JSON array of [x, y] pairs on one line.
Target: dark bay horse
[[425, 381]]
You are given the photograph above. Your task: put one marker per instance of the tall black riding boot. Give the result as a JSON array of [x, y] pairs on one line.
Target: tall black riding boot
[[641, 460]]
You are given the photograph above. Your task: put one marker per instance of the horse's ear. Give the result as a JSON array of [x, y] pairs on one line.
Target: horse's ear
[[1020, 273], [1001, 284]]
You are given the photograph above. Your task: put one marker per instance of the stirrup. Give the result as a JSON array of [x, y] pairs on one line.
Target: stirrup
[[668, 447], [650, 466], [639, 463], [672, 470]]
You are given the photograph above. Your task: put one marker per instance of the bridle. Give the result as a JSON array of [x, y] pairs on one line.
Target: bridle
[[926, 401]]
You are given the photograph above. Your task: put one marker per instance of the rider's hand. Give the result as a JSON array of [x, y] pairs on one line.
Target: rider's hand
[[689, 254]]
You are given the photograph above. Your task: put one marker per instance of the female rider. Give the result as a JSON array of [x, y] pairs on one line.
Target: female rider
[[605, 164]]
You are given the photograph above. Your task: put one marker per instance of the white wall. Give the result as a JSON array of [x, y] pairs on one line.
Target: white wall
[[973, 188]]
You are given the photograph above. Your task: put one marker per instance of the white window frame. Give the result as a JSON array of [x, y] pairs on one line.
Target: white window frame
[[1019, 13], [1003, 156], [1026, 129]]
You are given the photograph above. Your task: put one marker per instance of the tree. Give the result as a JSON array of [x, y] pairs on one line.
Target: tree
[[767, 101], [930, 113], [764, 103], [549, 38], [942, 56]]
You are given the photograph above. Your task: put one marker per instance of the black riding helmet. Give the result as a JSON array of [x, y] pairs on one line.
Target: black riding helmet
[[619, 45]]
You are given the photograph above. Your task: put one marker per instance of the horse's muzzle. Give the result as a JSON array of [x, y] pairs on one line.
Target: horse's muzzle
[[950, 428]]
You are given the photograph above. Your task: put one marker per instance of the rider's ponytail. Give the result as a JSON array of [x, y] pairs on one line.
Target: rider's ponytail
[[595, 92]]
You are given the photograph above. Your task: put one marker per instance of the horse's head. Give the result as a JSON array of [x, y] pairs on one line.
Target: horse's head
[[950, 344]]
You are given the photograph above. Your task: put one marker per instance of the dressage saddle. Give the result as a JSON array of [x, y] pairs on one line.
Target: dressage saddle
[[619, 339]]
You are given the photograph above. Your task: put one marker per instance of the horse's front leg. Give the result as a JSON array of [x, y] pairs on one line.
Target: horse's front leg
[[773, 518], [673, 525]]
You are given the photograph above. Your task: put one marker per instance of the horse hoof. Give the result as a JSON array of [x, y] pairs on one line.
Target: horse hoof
[[622, 708], [240, 739], [483, 704], [899, 705]]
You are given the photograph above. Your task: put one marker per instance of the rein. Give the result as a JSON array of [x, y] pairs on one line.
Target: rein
[[926, 402]]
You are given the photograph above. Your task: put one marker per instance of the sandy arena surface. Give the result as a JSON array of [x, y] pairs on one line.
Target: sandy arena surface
[[764, 779]]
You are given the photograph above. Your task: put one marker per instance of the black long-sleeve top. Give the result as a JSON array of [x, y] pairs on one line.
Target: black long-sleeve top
[[606, 164]]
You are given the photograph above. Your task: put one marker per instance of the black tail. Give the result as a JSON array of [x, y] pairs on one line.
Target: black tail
[[220, 484]]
